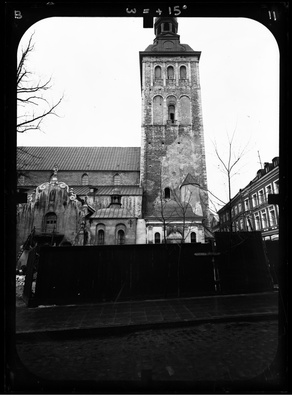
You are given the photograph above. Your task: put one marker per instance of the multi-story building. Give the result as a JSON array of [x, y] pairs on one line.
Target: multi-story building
[[251, 209]]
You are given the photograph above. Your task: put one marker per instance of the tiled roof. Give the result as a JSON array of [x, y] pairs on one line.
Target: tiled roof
[[112, 213], [107, 190], [79, 158]]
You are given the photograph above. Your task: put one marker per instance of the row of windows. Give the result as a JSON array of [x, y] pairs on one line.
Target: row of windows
[[120, 234], [183, 111], [257, 199], [266, 218], [117, 180], [157, 238], [170, 72]]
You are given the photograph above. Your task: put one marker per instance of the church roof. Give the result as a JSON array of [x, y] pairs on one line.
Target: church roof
[[181, 47], [113, 213], [107, 190], [79, 158], [190, 180]]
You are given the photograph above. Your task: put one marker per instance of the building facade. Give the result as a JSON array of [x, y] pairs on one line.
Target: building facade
[[129, 195], [250, 209]]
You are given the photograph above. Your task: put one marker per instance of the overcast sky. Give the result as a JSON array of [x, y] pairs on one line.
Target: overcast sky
[[94, 62]]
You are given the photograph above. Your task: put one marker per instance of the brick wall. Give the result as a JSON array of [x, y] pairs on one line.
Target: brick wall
[[102, 178]]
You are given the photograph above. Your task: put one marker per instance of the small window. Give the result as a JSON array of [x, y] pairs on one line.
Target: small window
[[121, 237], [171, 113], [193, 237], [84, 179], [117, 180], [166, 27], [183, 72], [170, 72], [157, 238], [100, 237], [21, 179], [167, 193], [157, 72], [50, 222]]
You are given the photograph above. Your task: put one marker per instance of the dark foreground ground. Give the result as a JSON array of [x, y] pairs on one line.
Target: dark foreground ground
[[208, 352], [225, 344]]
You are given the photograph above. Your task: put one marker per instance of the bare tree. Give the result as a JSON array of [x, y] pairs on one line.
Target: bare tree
[[31, 95], [228, 165]]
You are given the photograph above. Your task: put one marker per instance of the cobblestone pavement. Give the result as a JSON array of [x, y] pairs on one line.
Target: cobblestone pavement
[[211, 351]]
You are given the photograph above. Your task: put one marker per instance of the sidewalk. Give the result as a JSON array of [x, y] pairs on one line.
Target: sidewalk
[[101, 317]]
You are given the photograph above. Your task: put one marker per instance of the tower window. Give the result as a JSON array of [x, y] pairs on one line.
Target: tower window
[[170, 72], [167, 193], [84, 179], [158, 72], [171, 113], [183, 72], [166, 27]]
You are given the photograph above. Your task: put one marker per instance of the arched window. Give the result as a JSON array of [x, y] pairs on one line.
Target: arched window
[[157, 72], [100, 234], [117, 179], [185, 110], [120, 234], [100, 237], [84, 179], [171, 113], [50, 222], [167, 193], [170, 72], [157, 238], [158, 110], [193, 237], [121, 237], [183, 72]]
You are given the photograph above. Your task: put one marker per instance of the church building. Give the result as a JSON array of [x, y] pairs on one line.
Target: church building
[[129, 195]]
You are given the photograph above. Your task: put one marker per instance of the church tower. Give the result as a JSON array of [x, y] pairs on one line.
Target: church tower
[[173, 166]]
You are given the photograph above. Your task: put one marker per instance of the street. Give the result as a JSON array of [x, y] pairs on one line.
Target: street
[[227, 351]]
